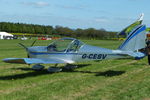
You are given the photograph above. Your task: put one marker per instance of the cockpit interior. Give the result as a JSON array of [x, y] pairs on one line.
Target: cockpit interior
[[65, 45]]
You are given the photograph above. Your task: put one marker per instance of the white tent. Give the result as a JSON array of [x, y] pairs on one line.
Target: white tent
[[5, 35]]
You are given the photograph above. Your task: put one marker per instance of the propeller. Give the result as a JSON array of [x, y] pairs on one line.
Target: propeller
[[23, 46], [33, 43], [27, 47]]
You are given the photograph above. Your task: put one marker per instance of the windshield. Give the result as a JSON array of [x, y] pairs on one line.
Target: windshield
[[65, 45]]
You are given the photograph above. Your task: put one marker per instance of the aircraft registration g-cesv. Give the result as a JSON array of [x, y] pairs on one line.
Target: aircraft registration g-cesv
[[94, 56]]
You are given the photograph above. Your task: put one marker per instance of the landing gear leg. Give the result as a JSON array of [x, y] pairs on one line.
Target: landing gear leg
[[56, 65]]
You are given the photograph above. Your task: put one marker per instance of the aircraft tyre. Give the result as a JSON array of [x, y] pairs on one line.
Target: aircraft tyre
[[70, 67], [54, 69], [37, 67]]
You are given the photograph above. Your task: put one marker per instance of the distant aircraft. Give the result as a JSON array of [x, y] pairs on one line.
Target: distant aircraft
[[23, 38], [70, 50]]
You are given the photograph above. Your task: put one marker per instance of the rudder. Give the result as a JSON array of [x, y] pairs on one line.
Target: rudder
[[135, 40]]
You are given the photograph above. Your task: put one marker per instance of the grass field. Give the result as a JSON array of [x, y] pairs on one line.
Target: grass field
[[105, 80]]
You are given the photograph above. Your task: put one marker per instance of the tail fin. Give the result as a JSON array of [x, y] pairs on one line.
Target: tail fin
[[136, 36], [135, 40], [128, 29]]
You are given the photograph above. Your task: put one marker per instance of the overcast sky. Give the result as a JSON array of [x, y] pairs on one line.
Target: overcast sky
[[112, 15]]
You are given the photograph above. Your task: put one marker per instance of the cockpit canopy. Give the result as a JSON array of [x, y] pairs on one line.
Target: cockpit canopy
[[65, 45]]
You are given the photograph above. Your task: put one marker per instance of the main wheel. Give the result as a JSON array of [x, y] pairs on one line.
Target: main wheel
[[54, 69], [37, 67], [70, 67]]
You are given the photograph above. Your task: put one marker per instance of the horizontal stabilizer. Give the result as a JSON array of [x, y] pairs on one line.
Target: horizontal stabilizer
[[136, 55]]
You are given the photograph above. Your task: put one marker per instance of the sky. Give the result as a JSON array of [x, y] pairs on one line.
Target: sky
[[112, 15]]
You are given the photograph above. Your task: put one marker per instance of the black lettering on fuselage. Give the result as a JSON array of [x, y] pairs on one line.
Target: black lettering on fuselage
[[94, 56], [104, 56], [84, 56], [90, 56], [99, 56]]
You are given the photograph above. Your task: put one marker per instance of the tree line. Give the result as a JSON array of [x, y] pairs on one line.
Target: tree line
[[90, 33]]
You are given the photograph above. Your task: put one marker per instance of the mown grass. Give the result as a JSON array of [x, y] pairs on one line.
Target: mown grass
[[106, 80]]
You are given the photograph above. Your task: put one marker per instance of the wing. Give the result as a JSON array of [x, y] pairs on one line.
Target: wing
[[36, 61]]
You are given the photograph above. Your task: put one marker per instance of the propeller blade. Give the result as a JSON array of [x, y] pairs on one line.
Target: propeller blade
[[23, 46], [33, 43]]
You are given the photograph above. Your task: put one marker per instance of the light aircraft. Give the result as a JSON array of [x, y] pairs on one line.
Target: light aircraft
[[71, 50]]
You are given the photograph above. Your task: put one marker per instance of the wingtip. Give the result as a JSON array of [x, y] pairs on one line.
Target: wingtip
[[5, 60], [14, 60]]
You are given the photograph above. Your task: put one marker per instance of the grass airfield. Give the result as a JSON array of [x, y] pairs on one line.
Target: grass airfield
[[104, 80]]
